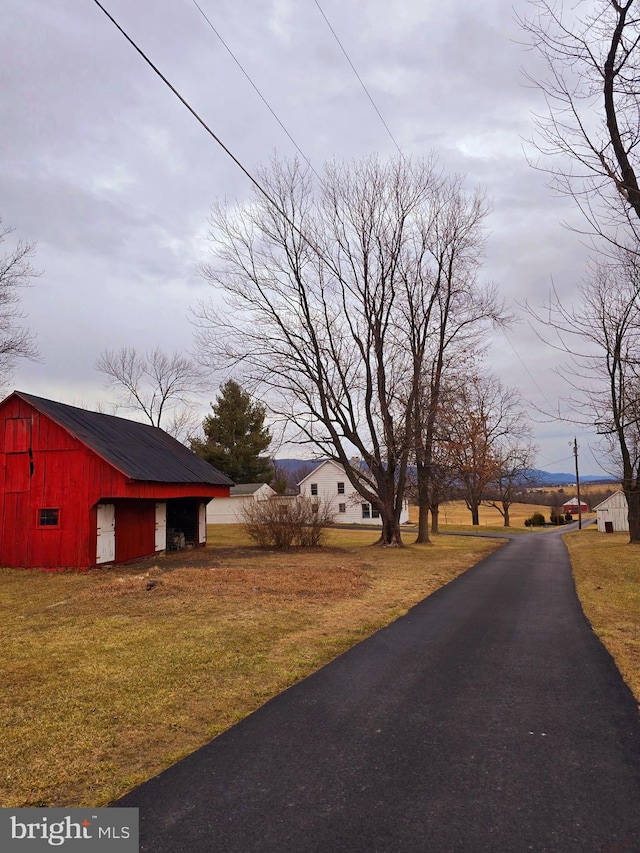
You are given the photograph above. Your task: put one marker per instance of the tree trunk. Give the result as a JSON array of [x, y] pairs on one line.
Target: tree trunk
[[423, 475], [505, 514], [390, 534], [633, 502], [475, 515], [390, 516], [435, 517], [423, 525]]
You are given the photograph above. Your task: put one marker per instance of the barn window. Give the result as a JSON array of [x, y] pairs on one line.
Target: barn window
[[342, 507], [314, 488], [48, 517], [341, 488]]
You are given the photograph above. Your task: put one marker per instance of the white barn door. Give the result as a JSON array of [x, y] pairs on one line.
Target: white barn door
[[106, 547], [161, 527], [202, 524]]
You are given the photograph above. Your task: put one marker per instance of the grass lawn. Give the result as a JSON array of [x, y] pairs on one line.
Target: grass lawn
[[107, 677], [607, 575], [454, 516]]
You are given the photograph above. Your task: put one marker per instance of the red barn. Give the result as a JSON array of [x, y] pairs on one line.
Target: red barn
[[80, 488], [574, 507]]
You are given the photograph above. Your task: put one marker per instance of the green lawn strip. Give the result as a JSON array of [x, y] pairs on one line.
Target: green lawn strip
[[488, 528], [102, 691], [606, 569]]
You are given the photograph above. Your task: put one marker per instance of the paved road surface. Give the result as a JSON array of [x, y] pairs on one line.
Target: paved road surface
[[489, 718]]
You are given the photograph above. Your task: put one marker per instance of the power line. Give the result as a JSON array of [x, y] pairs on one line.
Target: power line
[[185, 103], [353, 68], [256, 89], [557, 461], [526, 369]]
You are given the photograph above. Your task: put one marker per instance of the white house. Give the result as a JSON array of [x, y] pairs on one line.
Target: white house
[[229, 510], [613, 511], [330, 484]]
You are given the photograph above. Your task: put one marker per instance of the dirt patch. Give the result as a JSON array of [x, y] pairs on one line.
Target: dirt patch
[[236, 573]]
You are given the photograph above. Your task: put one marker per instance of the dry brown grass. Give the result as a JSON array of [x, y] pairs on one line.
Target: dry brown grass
[[109, 676], [587, 489], [607, 576], [455, 513]]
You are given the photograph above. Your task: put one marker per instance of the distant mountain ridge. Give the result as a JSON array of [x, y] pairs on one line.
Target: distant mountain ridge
[[551, 478], [535, 476]]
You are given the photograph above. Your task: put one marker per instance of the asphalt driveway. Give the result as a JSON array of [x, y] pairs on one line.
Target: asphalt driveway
[[489, 718]]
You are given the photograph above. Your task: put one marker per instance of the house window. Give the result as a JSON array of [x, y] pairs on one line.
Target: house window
[[314, 488], [48, 517], [341, 488], [366, 510], [314, 508], [375, 513], [342, 507]]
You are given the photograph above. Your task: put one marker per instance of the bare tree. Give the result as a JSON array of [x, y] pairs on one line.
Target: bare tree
[[592, 119], [593, 122], [16, 271], [332, 310], [599, 343], [457, 323], [516, 455], [486, 418], [157, 384]]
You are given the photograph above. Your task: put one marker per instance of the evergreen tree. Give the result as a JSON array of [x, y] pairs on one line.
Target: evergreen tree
[[235, 436]]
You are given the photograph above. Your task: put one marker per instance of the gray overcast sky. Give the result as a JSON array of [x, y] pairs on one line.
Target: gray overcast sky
[[113, 178]]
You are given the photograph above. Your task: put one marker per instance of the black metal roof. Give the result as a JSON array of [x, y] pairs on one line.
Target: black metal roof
[[140, 451]]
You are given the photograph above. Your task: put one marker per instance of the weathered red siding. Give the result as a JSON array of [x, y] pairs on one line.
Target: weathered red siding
[[135, 529], [42, 466]]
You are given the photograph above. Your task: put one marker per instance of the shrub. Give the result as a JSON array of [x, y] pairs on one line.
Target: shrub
[[296, 522], [536, 520], [568, 517], [556, 519]]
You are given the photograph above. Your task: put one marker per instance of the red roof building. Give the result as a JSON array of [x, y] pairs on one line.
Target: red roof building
[[80, 488]]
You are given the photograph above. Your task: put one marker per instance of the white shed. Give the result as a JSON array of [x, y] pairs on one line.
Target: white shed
[[614, 510], [330, 484], [229, 510]]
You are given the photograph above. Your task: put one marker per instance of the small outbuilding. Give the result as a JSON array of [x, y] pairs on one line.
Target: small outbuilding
[[329, 483], [230, 510], [612, 513], [81, 488], [574, 507]]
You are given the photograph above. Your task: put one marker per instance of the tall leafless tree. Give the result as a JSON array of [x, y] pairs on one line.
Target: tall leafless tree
[[592, 122], [515, 457], [16, 272], [455, 325], [485, 420], [598, 339], [332, 310], [159, 385]]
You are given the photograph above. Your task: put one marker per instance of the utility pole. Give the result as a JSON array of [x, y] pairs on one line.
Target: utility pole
[[575, 453]]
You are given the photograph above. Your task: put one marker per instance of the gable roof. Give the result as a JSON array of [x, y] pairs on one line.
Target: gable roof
[[337, 465], [617, 498], [245, 489], [140, 451]]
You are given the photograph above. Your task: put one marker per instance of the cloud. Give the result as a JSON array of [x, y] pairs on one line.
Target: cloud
[[113, 177]]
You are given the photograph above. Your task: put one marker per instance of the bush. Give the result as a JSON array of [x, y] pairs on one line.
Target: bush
[[568, 517], [556, 519], [287, 523], [536, 520]]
